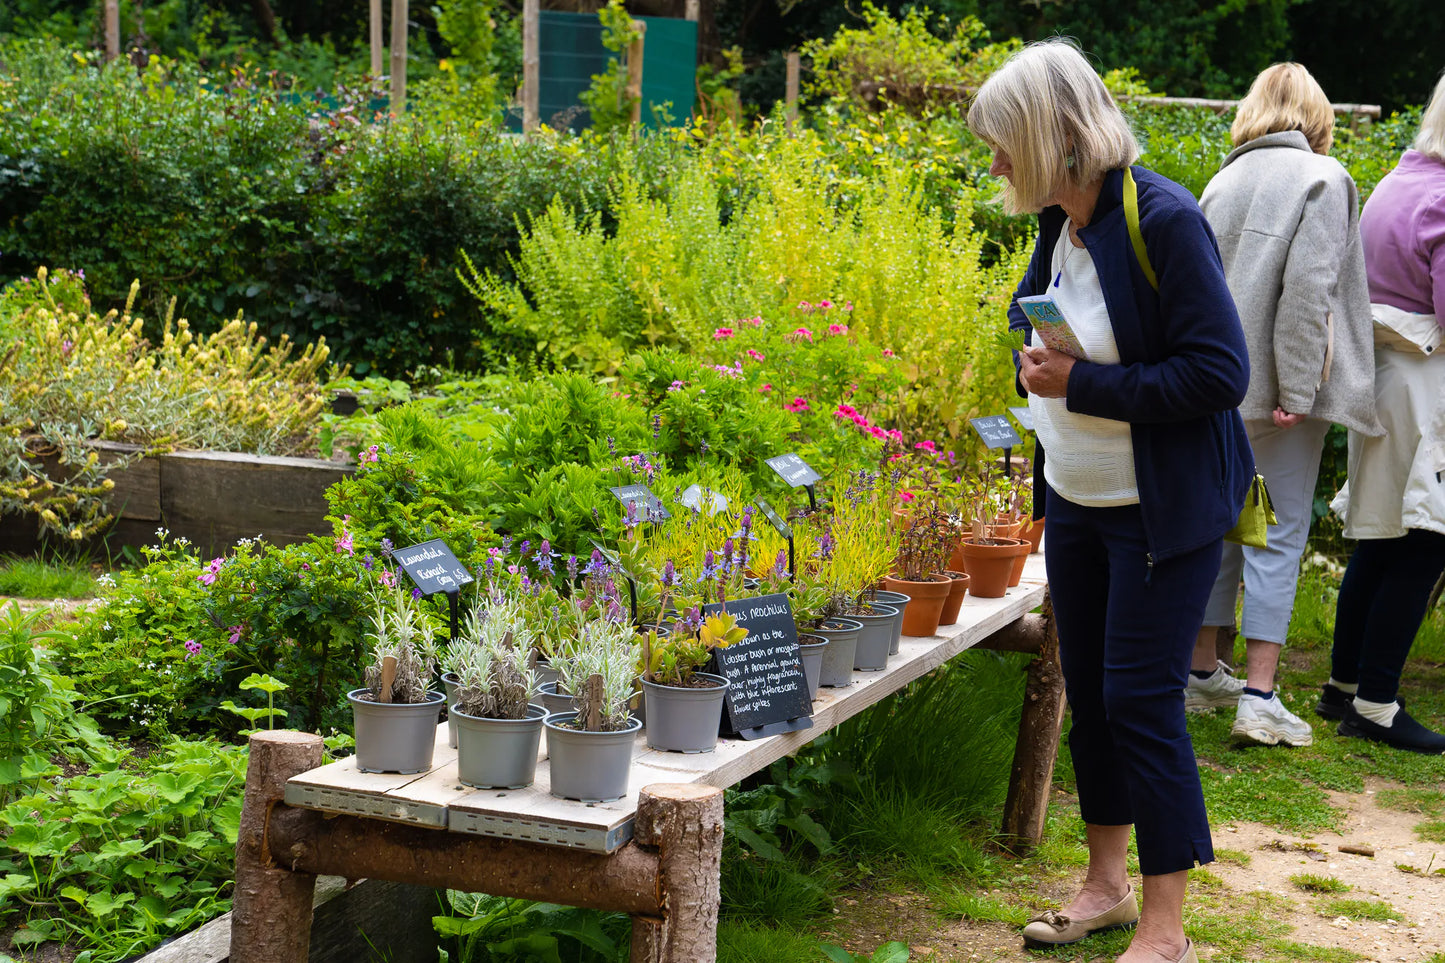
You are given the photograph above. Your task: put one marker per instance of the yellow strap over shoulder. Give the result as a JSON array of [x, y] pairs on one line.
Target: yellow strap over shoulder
[[1136, 237]]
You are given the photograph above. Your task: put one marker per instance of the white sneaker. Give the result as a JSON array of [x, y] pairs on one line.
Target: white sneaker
[[1212, 692], [1269, 723]]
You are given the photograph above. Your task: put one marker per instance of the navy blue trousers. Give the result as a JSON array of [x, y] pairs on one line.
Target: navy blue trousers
[[1382, 602], [1126, 635]]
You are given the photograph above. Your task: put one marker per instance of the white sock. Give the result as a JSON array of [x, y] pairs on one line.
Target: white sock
[[1348, 688], [1380, 713]]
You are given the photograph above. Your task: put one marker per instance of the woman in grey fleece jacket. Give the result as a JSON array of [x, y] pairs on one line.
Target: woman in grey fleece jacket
[[1287, 219]]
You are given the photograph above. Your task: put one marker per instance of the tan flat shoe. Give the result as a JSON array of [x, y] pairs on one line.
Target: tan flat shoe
[[1189, 955], [1052, 928]]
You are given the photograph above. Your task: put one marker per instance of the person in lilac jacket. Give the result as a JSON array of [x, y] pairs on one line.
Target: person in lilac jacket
[[1394, 501]]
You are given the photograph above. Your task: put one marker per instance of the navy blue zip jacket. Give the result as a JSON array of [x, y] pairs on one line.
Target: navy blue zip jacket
[[1183, 364]]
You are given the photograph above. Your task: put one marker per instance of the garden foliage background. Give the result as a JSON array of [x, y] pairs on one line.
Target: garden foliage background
[[562, 313]]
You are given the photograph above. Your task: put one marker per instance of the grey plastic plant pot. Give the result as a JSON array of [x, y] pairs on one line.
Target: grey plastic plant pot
[[589, 766], [811, 654], [498, 753], [871, 653], [395, 736], [900, 602], [451, 682], [546, 672], [681, 719], [837, 667], [553, 700]]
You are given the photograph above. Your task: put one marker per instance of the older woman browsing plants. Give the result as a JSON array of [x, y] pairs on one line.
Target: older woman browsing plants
[[1147, 467]]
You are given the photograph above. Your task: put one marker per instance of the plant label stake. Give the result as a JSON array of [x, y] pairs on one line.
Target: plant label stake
[[388, 676], [453, 605], [593, 688], [798, 474], [782, 528], [1024, 416], [694, 496], [996, 432], [641, 502], [432, 567]]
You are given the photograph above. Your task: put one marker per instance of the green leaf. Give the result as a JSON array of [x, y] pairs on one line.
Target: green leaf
[[9, 771], [75, 893], [104, 903], [894, 952], [836, 953], [13, 883]]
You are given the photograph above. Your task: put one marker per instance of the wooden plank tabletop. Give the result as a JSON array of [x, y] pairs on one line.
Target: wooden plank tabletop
[[438, 799]]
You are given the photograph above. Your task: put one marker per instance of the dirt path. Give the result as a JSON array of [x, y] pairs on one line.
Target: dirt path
[[867, 919]]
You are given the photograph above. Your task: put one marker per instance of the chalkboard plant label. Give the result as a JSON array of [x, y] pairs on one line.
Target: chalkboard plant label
[[996, 431], [639, 504], [768, 692], [795, 472], [432, 567]]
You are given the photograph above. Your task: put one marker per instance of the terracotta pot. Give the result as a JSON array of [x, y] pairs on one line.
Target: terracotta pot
[[954, 602], [1004, 526], [920, 618], [1033, 531], [1016, 573], [989, 566]]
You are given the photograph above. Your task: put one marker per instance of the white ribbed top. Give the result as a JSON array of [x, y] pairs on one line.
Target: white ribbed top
[[1090, 460]]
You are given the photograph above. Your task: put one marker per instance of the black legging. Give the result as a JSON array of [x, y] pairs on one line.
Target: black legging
[[1382, 603]]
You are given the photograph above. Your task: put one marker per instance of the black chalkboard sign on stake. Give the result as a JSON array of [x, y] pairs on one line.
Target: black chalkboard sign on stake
[[433, 568], [996, 432], [768, 693], [782, 528], [641, 503], [1024, 416], [798, 474]]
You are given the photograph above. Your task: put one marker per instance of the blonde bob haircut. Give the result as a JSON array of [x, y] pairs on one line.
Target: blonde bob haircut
[[1285, 97], [1049, 112], [1430, 139]]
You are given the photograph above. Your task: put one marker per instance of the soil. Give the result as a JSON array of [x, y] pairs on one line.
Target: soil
[[1401, 873]]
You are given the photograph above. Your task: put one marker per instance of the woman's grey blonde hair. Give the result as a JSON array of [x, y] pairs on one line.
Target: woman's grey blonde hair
[[1430, 139], [1049, 112], [1285, 97]]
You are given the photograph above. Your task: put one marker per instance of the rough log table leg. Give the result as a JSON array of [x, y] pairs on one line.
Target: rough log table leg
[[1038, 743], [684, 822], [271, 909]]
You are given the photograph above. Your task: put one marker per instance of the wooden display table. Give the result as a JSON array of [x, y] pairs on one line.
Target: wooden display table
[[653, 854]]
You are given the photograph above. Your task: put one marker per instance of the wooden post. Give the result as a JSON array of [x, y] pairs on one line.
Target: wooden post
[[398, 56], [795, 70], [684, 822], [691, 10], [634, 70], [1224, 644], [378, 45], [1037, 745], [271, 908], [112, 29], [531, 65]]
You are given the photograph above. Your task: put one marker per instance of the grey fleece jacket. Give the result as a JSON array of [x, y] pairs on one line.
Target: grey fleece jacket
[[1287, 220]]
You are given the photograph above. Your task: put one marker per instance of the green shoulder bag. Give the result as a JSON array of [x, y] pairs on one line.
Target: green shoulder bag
[[1257, 514]]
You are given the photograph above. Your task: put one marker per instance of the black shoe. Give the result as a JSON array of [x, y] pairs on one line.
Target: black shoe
[[1334, 703], [1402, 733]]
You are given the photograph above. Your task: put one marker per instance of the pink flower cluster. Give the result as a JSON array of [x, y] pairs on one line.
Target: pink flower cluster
[[369, 457], [756, 355], [837, 329], [721, 334], [209, 573], [849, 413], [799, 334], [344, 542], [796, 405]]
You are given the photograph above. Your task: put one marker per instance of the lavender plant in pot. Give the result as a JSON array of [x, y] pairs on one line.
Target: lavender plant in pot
[[590, 748], [396, 713], [498, 727]]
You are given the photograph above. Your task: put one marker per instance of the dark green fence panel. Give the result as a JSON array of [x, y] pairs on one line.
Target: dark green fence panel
[[570, 45]]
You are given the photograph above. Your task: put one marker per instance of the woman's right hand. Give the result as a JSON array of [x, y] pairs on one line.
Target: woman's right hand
[[1283, 419]]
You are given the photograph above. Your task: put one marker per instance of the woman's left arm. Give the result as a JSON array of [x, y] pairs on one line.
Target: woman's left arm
[[1205, 364]]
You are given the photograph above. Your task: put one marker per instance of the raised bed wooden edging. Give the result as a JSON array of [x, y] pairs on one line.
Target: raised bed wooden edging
[[212, 498]]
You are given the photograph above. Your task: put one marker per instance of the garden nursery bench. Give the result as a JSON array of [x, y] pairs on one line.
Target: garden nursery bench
[[654, 854]]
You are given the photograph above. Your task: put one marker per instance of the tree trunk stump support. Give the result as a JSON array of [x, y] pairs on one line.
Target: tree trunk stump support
[[683, 823], [1037, 746], [271, 908]]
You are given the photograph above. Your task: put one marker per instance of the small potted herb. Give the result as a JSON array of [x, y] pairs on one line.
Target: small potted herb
[[397, 712], [498, 727], [923, 552], [591, 747]]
